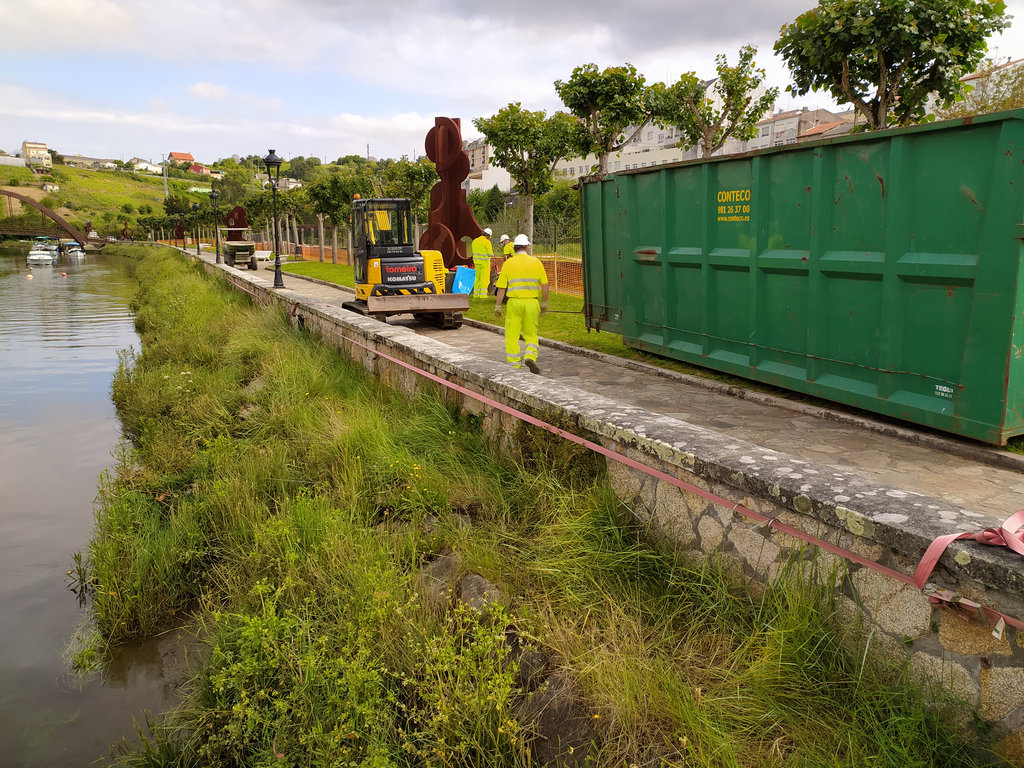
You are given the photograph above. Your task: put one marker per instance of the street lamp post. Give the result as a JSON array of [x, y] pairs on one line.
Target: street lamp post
[[195, 210], [214, 194], [273, 163]]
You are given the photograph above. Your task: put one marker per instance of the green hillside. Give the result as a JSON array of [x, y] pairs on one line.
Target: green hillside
[[102, 197]]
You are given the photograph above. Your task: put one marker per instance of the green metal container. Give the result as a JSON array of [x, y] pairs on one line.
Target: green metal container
[[881, 270]]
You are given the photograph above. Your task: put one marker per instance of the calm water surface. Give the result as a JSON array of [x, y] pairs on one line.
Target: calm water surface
[[59, 338]]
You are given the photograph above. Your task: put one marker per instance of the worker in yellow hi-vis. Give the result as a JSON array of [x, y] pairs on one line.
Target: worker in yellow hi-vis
[[482, 253], [506, 254], [524, 279]]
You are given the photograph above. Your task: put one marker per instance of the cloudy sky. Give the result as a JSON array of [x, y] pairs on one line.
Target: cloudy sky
[[124, 78]]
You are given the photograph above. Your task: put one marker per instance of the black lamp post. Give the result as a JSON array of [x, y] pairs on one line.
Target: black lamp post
[[214, 194], [273, 163], [195, 211]]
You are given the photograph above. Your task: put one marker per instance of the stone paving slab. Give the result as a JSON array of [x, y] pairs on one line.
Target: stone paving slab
[[993, 492]]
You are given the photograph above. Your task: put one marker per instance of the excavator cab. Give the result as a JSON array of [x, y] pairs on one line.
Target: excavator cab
[[382, 234], [391, 275]]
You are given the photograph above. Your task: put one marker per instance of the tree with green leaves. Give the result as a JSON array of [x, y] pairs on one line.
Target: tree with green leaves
[[993, 88], [303, 168], [236, 184], [561, 203], [607, 104], [175, 204], [352, 161], [331, 195], [475, 199], [709, 113], [886, 56], [527, 145], [414, 180], [494, 203]]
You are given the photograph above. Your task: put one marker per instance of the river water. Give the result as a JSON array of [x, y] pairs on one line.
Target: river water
[[59, 338]]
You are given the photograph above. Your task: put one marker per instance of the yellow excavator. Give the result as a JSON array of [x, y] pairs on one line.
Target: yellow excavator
[[392, 277]]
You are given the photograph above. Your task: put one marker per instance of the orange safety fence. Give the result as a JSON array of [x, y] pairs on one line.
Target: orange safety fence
[[565, 274], [288, 250]]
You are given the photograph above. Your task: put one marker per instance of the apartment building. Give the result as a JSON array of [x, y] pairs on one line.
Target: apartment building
[[36, 155], [482, 173]]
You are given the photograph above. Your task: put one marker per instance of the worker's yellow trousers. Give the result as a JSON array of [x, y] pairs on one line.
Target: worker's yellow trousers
[[522, 316], [483, 276]]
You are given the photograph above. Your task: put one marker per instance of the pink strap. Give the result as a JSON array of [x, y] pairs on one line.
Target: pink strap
[[1009, 534]]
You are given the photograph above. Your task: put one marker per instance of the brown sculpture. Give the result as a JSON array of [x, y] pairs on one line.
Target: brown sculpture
[[451, 219], [237, 224]]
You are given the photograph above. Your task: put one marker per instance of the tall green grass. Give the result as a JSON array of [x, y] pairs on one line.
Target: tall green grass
[[274, 495]]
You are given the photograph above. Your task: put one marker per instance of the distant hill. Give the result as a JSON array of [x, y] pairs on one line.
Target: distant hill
[[98, 196]]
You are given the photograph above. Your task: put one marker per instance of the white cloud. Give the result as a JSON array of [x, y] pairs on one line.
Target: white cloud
[[208, 91], [331, 76]]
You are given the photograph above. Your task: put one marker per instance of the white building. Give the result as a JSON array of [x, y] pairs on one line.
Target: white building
[[482, 173], [145, 166], [35, 155], [983, 81], [92, 163], [656, 147]]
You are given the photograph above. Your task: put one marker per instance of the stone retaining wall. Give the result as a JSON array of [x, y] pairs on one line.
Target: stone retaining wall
[[885, 525]]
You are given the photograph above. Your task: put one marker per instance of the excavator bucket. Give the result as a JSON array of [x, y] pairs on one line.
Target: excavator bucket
[[417, 302]]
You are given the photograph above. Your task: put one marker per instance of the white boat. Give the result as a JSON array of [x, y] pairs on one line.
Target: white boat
[[41, 255], [74, 251]]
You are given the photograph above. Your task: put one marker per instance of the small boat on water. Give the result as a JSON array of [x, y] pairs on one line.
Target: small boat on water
[[41, 255], [74, 251]]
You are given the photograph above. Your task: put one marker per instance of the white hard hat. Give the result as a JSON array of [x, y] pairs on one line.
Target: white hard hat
[[487, 231], [521, 240], [504, 238]]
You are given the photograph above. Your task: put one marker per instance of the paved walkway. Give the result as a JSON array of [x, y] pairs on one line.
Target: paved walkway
[[972, 483]]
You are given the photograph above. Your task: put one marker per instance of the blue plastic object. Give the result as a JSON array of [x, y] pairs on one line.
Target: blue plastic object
[[464, 279]]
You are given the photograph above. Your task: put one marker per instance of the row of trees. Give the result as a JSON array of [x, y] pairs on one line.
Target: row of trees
[[885, 57], [326, 199]]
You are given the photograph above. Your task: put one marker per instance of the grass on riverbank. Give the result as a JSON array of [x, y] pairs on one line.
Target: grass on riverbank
[[287, 500]]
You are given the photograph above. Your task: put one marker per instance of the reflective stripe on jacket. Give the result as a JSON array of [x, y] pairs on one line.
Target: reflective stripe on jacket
[[482, 247], [522, 277]]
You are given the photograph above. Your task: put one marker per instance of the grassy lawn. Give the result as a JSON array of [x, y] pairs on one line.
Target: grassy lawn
[[331, 273]]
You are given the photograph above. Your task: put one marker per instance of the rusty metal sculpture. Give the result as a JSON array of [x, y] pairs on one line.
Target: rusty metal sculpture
[[451, 219], [239, 249], [179, 231], [236, 223], [127, 232]]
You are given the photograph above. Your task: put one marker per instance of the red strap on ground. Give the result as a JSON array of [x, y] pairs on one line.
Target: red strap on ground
[[1010, 534]]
